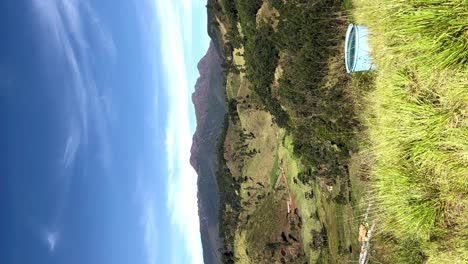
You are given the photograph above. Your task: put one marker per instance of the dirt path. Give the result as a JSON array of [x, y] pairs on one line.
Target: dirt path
[[291, 205]]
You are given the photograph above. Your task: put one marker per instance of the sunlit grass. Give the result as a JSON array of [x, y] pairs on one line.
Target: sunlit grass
[[417, 120], [275, 172]]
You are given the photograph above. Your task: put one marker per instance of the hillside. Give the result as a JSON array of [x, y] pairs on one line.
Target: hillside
[[210, 108], [311, 159], [287, 191]]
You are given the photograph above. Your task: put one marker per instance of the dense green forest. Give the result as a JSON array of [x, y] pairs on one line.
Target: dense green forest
[[312, 102]]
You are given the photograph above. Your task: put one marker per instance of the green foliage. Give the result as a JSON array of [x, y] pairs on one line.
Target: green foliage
[[273, 246], [261, 58], [232, 110], [410, 252], [397, 251], [230, 11], [275, 3], [247, 10], [304, 177], [288, 92], [234, 39], [229, 200], [215, 7], [340, 199], [275, 172], [313, 85]]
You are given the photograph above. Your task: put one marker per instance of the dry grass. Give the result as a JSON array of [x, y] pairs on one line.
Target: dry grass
[[267, 14], [260, 123]]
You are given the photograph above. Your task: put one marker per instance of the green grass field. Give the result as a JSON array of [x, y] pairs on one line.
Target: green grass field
[[275, 172], [306, 207], [417, 125]]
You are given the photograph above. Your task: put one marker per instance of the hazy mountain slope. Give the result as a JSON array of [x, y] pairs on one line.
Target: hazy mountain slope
[[210, 108]]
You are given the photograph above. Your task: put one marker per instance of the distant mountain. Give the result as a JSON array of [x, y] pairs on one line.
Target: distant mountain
[[210, 108]]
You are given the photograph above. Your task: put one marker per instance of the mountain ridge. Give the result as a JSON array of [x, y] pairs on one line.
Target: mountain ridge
[[210, 109]]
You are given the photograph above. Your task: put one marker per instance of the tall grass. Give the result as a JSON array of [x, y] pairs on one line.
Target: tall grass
[[417, 121]]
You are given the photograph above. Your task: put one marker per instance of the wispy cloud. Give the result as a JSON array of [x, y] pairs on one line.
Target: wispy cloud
[[51, 239], [67, 27], [175, 20], [68, 44], [147, 203], [150, 229], [71, 146]]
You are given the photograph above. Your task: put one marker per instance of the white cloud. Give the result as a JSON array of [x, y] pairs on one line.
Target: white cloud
[[51, 238], [71, 146], [146, 201], [149, 225], [175, 19], [66, 43]]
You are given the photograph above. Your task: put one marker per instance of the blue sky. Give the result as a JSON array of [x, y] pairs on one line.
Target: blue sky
[[97, 122]]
